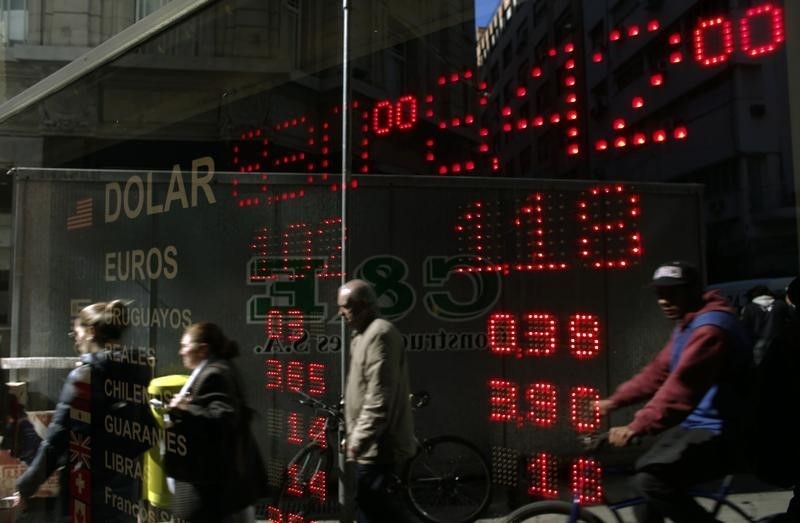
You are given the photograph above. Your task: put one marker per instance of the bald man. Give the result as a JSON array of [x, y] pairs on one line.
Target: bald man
[[380, 434]]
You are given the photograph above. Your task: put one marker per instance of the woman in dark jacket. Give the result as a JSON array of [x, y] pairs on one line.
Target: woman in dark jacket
[[77, 437], [221, 474]]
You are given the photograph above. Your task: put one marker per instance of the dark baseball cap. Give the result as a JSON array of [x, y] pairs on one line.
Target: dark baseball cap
[[676, 273]]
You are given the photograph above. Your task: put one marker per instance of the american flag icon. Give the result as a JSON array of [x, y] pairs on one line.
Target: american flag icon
[[82, 217]]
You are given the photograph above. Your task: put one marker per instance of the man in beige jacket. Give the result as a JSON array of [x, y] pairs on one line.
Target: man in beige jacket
[[380, 433]]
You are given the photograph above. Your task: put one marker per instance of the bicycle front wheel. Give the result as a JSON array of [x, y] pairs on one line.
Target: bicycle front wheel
[[307, 490], [448, 481], [551, 512]]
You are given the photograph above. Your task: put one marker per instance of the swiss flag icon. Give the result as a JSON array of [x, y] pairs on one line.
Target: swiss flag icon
[[80, 488], [79, 511]]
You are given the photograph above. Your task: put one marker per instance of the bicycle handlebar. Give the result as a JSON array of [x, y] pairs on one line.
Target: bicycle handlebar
[[418, 400], [598, 440]]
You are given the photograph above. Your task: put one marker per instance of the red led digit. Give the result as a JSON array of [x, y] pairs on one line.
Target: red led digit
[[722, 29], [609, 221], [502, 330], [294, 432], [317, 486], [294, 325], [274, 515], [405, 112], [273, 325], [327, 242], [543, 472], [584, 336], [274, 375], [542, 399], [478, 236], [774, 16], [316, 432], [260, 248], [583, 411], [291, 517], [295, 379], [296, 241], [294, 487], [587, 481], [382, 117], [316, 379], [539, 336], [531, 226], [502, 401]]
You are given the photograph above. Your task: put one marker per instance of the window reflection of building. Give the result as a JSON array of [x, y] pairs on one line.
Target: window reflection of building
[[638, 97]]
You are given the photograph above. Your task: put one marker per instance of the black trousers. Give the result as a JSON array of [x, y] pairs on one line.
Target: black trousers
[[679, 459], [375, 500]]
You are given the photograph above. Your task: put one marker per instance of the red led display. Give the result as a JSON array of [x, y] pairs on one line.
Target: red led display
[[609, 235], [541, 335], [286, 326], [295, 376], [541, 236], [317, 487], [542, 405], [583, 411], [502, 401], [584, 336], [722, 29], [542, 400], [502, 334], [587, 481], [294, 487], [277, 254], [758, 31], [274, 375], [294, 429], [773, 16], [316, 432], [543, 473]]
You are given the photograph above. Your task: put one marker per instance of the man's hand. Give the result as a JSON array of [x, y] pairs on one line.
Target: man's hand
[[605, 406], [620, 436], [179, 401]]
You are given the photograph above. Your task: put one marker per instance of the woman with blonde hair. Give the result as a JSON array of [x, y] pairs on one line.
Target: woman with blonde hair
[[96, 332]]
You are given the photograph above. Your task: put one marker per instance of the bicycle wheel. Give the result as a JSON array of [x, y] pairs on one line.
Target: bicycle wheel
[[448, 481], [551, 512], [307, 490]]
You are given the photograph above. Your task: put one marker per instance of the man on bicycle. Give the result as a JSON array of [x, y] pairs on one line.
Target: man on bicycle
[[380, 433], [692, 393]]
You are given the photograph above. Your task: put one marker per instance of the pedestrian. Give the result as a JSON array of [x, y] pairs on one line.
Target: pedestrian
[[218, 473], [19, 436], [760, 318], [380, 434], [773, 439], [691, 395], [96, 331]]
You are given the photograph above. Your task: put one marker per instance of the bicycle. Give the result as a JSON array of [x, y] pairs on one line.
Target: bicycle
[[447, 481], [556, 511]]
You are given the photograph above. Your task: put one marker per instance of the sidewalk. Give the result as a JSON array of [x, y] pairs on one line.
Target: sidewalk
[[754, 504]]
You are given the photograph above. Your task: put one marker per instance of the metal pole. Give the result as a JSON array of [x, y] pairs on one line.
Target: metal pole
[[344, 505]]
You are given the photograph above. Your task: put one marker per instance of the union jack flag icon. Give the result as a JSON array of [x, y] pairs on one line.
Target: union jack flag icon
[[80, 449]]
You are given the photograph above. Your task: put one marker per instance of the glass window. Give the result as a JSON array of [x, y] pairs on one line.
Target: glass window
[[507, 192]]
